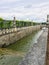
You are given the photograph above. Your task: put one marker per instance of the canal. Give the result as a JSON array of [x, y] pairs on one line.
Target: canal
[[13, 54]]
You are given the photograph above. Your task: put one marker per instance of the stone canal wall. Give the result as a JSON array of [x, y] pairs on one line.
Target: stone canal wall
[[10, 38]]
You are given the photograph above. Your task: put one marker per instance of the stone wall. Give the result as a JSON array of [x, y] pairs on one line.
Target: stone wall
[[8, 39]]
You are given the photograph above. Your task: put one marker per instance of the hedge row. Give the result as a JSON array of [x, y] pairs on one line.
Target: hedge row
[[9, 24]]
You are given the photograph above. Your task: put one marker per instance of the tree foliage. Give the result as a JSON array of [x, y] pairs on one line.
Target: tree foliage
[[1, 19]]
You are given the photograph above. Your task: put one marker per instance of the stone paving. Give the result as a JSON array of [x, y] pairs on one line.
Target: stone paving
[[36, 56]]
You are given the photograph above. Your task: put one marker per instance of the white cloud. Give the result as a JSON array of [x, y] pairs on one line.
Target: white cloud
[[8, 1], [36, 12]]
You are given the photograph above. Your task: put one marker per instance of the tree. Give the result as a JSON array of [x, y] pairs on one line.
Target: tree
[[1, 19], [9, 24], [1, 25]]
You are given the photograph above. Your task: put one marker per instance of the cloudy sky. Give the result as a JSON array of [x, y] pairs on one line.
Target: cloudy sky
[[35, 10]]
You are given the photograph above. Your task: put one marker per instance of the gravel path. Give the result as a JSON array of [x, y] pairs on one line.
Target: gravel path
[[36, 56]]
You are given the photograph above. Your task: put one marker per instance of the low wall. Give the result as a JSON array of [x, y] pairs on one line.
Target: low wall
[[8, 39]]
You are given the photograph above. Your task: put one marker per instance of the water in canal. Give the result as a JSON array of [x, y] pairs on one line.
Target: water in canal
[[13, 54]]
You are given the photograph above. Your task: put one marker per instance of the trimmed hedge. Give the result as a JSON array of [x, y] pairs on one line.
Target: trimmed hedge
[[9, 24]]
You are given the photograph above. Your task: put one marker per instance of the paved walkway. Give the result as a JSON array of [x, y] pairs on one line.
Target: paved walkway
[[36, 55]]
